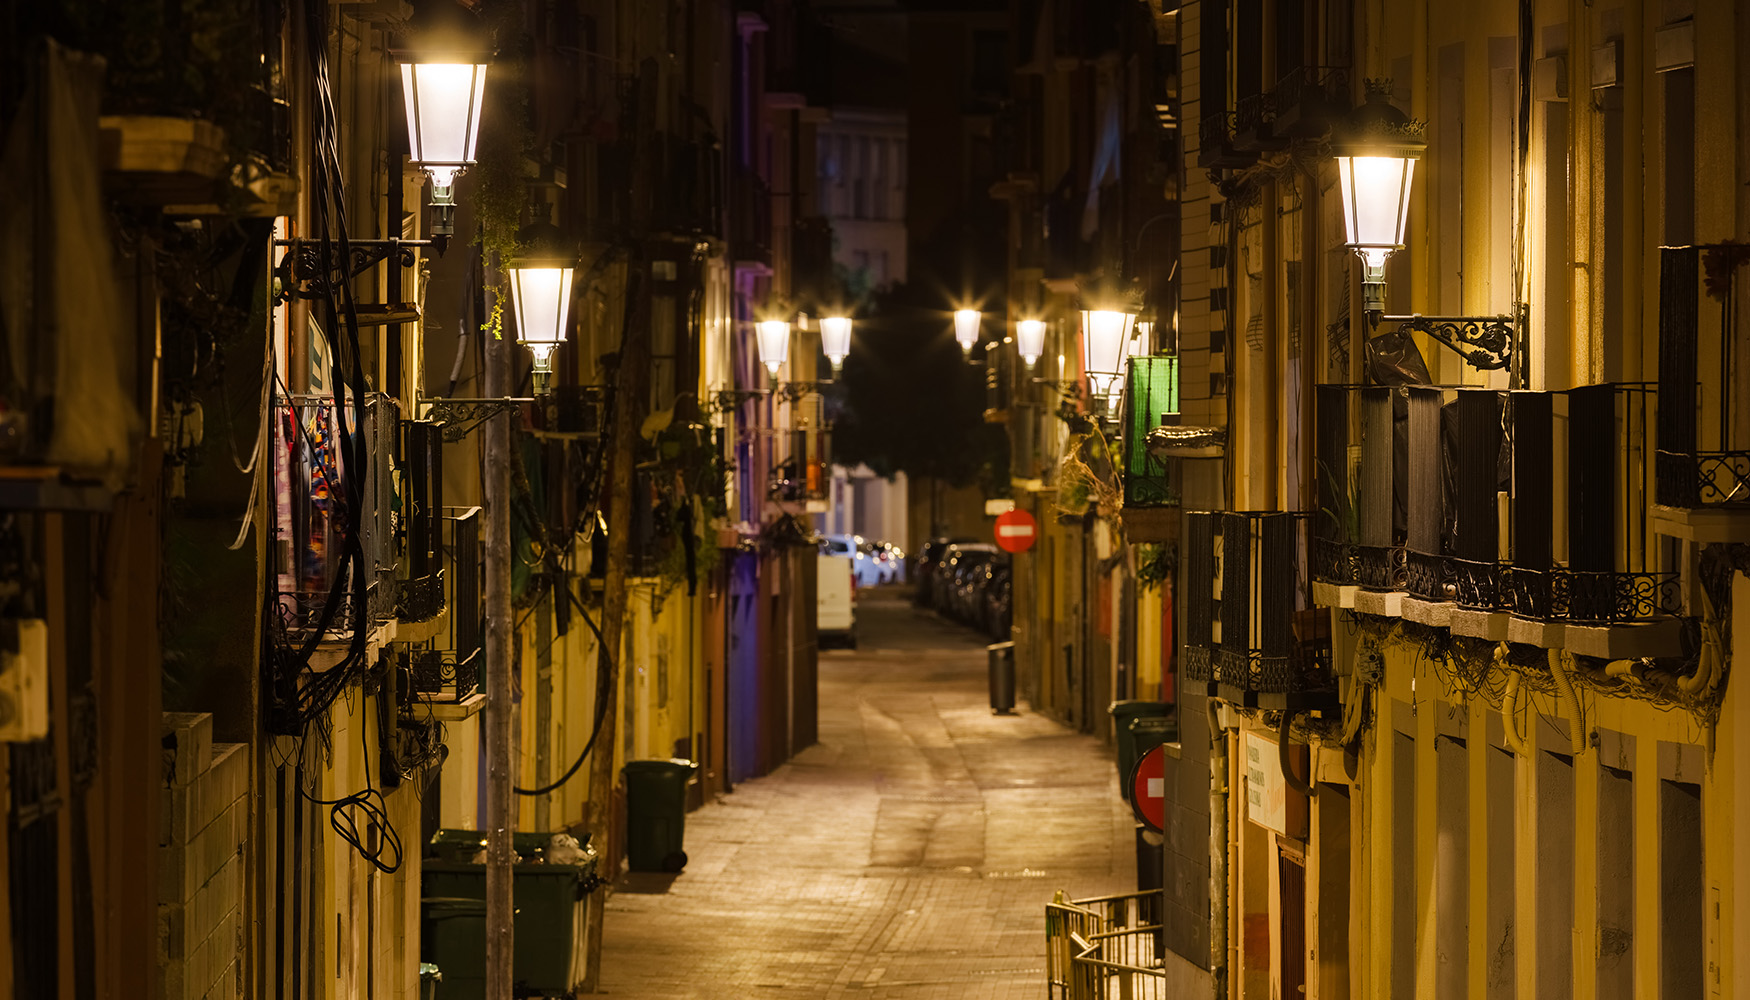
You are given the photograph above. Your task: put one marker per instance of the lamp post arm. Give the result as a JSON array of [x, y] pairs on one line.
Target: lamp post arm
[[1484, 342]]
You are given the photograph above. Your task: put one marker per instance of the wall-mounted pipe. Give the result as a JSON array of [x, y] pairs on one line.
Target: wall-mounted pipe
[[1294, 780], [1218, 795], [1568, 697]]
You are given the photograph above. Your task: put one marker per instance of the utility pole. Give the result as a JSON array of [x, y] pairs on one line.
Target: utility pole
[[500, 916], [629, 393], [631, 396]]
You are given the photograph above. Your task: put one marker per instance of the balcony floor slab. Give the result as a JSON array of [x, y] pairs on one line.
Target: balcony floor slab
[[1530, 632], [1334, 595], [1388, 603], [1663, 637], [1435, 614], [1703, 525], [1490, 625]]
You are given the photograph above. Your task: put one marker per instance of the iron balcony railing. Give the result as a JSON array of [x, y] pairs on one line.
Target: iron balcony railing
[[448, 666], [750, 217], [1704, 428], [1530, 502], [422, 479], [1251, 627], [1105, 948], [1308, 98], [311, 487], [806, 473]]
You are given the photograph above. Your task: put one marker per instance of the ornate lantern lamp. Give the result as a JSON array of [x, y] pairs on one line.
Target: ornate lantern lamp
[[1106, 337], [443, 81], [1030, 340], [1376, 151], [540, 291], [966, 324], [773, 336], [835, 339]]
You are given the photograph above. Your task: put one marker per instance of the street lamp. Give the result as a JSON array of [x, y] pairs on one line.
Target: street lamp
[[1030, 340], [774, 344], [443, 81], [835, 339], [1105, 343], [540, 292], [966, 323], [1376, 151]]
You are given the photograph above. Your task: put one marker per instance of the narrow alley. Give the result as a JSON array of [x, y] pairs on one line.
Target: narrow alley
[[908, 854]]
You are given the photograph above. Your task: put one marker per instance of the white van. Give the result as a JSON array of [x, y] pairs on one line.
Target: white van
[[835, 603]]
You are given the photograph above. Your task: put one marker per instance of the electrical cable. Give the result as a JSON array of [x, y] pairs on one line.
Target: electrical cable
[[601, 705]]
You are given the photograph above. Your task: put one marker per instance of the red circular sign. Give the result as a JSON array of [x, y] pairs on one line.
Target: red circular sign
[[1015, 531], [1148, 790]]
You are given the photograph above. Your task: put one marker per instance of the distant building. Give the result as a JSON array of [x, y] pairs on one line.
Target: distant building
[[861, 155]]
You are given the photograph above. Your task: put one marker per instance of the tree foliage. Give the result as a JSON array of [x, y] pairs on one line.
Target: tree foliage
[[912, 402]]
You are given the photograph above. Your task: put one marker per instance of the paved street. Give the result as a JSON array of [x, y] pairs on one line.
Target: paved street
[[909, 854]]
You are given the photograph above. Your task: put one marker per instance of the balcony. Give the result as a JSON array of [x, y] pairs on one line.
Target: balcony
[[1253, 634], [1216, 145], [1254, 129], [422, 477], [1507, 516], [1308, 99], [1702, 479], [750, 218], [806, 475], [311, 480], [446, 668]]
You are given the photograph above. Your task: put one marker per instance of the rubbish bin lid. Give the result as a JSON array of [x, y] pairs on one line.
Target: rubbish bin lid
[[1151, 724], [445, 838], [452, 906], [1138, 706], [659, 766], [995, 646]]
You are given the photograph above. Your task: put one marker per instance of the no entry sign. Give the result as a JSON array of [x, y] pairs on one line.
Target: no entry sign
[[1148, 790], [1015, 531]]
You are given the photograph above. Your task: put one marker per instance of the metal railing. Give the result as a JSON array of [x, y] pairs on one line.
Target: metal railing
[[1413, 482], [312, 494], [1105, 948], [1258, 633], [447, 667], [1703, 456]]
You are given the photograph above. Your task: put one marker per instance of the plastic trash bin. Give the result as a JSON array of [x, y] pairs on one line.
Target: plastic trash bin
[[1002, 677], [1123, 713], [656, 813], [548, 924], [453, 939]]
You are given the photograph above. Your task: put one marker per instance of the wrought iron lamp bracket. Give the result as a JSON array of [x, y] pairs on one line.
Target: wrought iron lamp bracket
[[730, 399], [795, 391], [456, 417], [1484, 342], [301, 274]]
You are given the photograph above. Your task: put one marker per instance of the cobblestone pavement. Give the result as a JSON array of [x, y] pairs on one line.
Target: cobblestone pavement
[[909, 854]]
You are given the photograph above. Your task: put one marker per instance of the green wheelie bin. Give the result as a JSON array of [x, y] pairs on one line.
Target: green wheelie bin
[[656, 813], [1124, 713]]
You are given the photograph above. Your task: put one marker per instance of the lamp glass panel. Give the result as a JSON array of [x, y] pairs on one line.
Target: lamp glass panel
[[835, 337], [1376, 202], [774, 343], [1105, 340], [966, 323], [443, 110], [1030, 339], [542, 299]]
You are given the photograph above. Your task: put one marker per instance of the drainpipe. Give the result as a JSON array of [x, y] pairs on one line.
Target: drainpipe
[[1217, 852]]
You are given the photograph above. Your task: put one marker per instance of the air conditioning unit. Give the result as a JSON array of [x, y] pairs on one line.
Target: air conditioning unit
[[24, 679]]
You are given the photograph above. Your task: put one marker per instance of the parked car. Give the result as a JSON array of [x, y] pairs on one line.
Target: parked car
[[954, 575], [835, 599], [892, 561], [929, 560]]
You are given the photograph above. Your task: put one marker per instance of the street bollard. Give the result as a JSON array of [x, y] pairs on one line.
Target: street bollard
[[1002, 677]]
